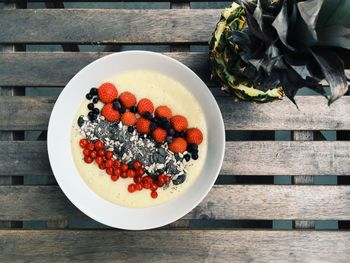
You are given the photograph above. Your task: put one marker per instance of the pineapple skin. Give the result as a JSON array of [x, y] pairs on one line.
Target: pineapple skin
[[226, 65]]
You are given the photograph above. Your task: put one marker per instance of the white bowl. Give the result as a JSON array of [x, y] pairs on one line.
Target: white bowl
[[61, 158]]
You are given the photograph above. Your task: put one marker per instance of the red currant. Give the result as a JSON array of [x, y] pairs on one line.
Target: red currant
[[109, 171], [99, 145], [88, 159], [93, 154], [140, 172], [83, 143], [154, 187], [109, 163], [137, 165], [161, 181], [167, 179], [146, 186], [116, 163], [99, 160], [154, 194], [102, 166], [115, 177], [124, 167], [109, 155], [123, 175], [131, 188], [131, 173], [101, 153], [117, 172], [90, 146], [86, 152], [137, 179], [138, 187]]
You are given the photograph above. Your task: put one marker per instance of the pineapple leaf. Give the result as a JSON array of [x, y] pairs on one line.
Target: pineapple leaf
[[336, 36], [334, 12], [281, 24], [309, 11], [333, 69]]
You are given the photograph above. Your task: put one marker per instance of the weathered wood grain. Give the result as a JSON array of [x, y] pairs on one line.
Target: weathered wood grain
[[314, 114], [265, 202], [175, 246], [25, 113], [301, 179], [57, 68], [241, 158], [107, 25]]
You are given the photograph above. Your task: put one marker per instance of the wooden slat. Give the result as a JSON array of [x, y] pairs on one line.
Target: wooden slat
[[175, 246], [107, 26], [57, 68], [25, 113], [314, 114], [241, 158], [268, 202]]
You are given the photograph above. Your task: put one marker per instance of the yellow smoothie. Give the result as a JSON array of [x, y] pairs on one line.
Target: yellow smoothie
[[161, 90]]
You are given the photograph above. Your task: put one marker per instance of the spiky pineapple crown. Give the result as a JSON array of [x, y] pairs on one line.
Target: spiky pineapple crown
[[294, 43]]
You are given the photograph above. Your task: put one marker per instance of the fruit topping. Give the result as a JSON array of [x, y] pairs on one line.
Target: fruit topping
[[109, 113], [107, 92]]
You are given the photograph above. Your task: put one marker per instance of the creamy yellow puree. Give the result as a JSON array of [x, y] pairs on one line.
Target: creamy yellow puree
[[162, 90]]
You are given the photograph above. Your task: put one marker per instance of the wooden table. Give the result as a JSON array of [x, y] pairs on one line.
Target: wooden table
[[38, 223]]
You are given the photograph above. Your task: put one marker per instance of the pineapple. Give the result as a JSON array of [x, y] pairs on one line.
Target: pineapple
[[227, 67], [263, 49]]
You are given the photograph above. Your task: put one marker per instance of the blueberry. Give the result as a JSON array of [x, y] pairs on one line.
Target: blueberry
[[90, 106], [95, 100], [177, 134], [147, 115], [169, 139], [187, 157], [90, 114], [88, 96], [130, 129], [171, 132], [166, 125], [122, 109], [192, 147], [133, 109], [154, 119], [158, 122], [93, 91], [96, 111], [92, 117], [152, 126], [116, 105], [182, 134], [194, 156], [163, 119], [194, 151]]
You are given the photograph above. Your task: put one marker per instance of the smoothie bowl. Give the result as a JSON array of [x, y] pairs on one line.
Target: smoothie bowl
[[136, 140]]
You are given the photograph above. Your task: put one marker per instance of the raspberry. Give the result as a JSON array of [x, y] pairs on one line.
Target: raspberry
[[163, 111], [109, 113], [159, 135], [145, 105], [178, 145], [179, 123], [194, 136], [142, 125], [107, 92], [127, 99], [129, 118]]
